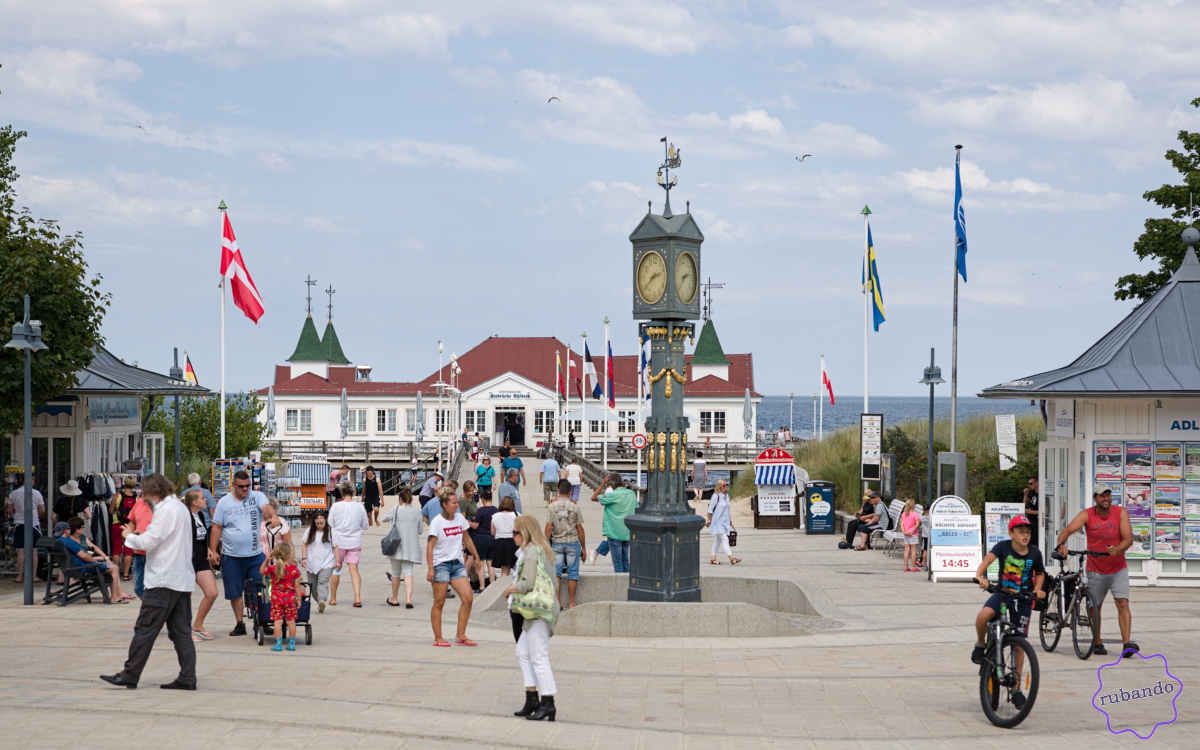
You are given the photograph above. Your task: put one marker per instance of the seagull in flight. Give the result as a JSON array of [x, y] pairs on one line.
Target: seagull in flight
[[139, 127], [554, 98], [802, 158]]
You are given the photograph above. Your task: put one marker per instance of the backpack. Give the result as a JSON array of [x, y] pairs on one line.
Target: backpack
[[391, 542]]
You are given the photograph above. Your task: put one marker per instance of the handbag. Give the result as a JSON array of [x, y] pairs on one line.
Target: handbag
[[540, 602], [732, 536], [391, 542]]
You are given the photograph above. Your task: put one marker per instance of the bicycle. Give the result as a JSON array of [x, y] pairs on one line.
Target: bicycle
[[1067, 604], [1008, 676]]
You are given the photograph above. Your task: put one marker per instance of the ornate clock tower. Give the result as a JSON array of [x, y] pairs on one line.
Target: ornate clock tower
[[665, 532]]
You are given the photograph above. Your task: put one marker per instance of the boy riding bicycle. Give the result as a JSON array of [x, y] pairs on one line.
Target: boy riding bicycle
[[1021, 571]]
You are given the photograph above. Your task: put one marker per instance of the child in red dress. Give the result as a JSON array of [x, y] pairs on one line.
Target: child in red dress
[[285, 586]]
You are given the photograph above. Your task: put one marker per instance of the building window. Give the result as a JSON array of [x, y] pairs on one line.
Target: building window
[[299, 420], [356, 420], [574, 425], [476, 420], [599, 427], [385, 420], [627, 421], [543, 422], [442, 418], [712, 423]]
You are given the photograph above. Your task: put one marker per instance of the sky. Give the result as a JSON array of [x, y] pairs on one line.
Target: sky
[[407, 155]]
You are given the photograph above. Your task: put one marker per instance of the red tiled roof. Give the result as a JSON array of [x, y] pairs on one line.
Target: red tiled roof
[[530, 357]]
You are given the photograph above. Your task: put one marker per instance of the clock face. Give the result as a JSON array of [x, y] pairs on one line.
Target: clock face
[[685, 278], [652, 277]]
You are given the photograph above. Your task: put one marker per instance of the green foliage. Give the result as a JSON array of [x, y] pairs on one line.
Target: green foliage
[[1161, 239], [835, 458], [200, 426], [36, 259]]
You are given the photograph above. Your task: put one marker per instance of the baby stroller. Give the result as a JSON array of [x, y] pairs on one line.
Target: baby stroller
[[258, 611]]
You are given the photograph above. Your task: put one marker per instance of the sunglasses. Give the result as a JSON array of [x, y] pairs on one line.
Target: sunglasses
[[242, 486]]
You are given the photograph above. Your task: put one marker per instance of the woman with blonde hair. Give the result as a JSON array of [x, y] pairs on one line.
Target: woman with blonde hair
[[910, 524], [719, 523], [534, 610]]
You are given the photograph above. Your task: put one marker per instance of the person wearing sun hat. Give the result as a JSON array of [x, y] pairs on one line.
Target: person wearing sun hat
[[1108, 530]]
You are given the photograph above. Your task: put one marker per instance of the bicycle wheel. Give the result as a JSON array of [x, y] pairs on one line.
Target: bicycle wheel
[[1008, 697], [1082, 632], [1050, 622]]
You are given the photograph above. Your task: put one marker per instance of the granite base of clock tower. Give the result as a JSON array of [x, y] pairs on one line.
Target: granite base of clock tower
[[664, 558]]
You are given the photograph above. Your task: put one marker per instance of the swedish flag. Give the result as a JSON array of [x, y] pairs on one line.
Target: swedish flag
[[871, 281]]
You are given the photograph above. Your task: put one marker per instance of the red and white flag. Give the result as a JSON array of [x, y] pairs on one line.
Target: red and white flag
[[233, 268], [825, 382]]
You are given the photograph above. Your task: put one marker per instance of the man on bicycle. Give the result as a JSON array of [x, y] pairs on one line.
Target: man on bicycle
[[1108, 530], [1021, 571]]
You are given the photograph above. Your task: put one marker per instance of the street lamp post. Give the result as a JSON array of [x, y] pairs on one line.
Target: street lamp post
[[27, 335], [933, 377], [177, 374]]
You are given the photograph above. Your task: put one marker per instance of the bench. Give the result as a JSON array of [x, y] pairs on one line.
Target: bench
[[76, 583]]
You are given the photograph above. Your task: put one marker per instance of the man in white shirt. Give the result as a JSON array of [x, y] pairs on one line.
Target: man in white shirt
[[170, 580], [347, 520], [16, 511]]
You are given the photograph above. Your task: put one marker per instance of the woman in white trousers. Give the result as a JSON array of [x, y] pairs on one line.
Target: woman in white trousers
[[533, 644], [718, 523]]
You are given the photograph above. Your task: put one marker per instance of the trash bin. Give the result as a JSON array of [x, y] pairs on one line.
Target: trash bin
[[818, 507]]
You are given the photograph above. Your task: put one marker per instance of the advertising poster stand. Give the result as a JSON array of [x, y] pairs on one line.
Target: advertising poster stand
[[955, 550], [818, 508], [995, 525]]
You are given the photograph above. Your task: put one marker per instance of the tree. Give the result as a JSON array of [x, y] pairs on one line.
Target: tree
[[200, 425], [36, 259], [1161, 240]]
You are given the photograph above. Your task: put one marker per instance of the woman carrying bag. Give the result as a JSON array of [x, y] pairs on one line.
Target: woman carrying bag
[[532, 601], [406, 533], [719, 523]]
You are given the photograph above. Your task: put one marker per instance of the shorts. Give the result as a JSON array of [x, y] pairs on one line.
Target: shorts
[[350, 556], [370, 503], [199, 559], [284, 610], [448, 571], [566, 559], [484, 544], [235, 571], [1019, 617], [914, 539], [18, 538], [575, 492], [1100, 584], [118, 542], [401, 568]]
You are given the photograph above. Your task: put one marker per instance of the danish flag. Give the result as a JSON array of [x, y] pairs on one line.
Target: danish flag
[[245, 294]]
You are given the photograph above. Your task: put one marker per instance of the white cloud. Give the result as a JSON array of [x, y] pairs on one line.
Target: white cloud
[[272, 162], [602, 111]]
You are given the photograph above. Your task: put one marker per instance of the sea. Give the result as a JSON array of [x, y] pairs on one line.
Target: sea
[[776, 411]]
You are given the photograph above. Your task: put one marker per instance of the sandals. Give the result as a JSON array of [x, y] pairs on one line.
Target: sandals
[[714, 561], [735, 561], [393, 604], [466, 642], [126, 598], [445, 644], [358, 604], [204, 634], [126, 578]]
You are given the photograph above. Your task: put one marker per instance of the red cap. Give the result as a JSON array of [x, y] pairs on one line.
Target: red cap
[[1019, 520]]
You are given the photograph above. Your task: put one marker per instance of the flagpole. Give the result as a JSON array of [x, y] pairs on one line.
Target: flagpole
[[954, 334], [604, 377], [567, 400], [638, 425], [222, 209], [867, 282], [587, 426], [822, 437]]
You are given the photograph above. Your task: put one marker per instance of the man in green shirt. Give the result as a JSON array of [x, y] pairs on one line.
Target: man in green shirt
[[618, 502]]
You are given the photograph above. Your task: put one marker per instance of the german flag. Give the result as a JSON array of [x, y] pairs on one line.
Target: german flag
[[190, 374]]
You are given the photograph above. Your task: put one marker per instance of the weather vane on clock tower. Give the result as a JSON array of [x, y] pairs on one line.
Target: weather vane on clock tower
[[671, 160]]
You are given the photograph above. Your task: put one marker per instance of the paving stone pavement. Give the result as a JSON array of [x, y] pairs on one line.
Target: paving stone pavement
[[895, 672]]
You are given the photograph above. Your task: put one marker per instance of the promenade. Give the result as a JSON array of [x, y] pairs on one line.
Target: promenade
[[887, 667]]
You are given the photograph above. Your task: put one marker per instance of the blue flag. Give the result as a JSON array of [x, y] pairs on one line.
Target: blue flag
[[960, 220], [871, 283], [644, 365]]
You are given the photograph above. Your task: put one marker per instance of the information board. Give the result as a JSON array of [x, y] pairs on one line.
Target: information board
[[818, 508], [871, 446], [995, 524], [954, 563], [955, 552]]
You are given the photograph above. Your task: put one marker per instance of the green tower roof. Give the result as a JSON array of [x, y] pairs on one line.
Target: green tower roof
[[308, 348], [708, 348], [331, 348]]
